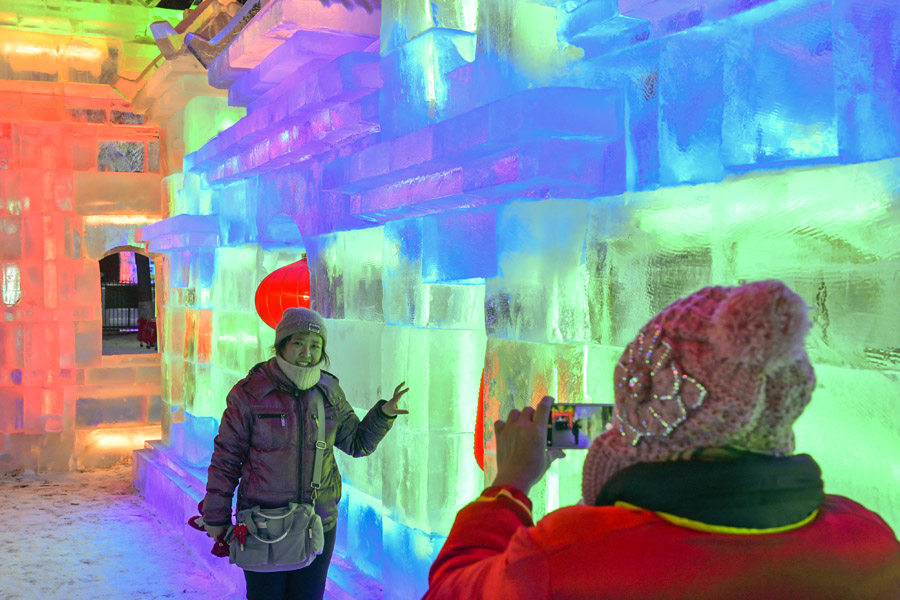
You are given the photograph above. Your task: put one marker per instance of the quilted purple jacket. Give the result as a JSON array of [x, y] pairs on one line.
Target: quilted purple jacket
[[267, 442]]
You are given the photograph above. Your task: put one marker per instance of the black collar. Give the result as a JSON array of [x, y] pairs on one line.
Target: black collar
[[755, 491]]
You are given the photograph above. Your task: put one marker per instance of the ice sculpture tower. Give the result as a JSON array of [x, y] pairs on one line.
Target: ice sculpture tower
[[79, 174]]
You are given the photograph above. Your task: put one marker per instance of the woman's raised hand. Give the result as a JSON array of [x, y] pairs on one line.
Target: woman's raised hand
[[390, 407]]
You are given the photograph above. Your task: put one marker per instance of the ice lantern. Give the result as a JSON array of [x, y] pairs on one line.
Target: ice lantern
[[282, 289]]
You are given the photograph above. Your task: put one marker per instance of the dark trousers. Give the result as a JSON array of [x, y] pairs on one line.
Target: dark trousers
[[302, 584]]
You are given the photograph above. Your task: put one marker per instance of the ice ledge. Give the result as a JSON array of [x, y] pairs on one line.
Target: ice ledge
[[280, 20]]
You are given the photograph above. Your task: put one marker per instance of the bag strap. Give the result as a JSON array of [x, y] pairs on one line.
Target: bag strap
[[289, 523], [320, 445]]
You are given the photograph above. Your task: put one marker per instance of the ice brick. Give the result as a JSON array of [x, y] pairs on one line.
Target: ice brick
[[404, 293], [12, 410], [101, 193], [779, 93], [355, 350], [365, 475], [326, 275], [416, 90], [459, 245], [236, 205], [852, 442], [199, 433], [403, 20], [365, 544], [237, 344], [236, 278], [690, 107], [411, 553], [540, 293], [205, 117], [867, 85], [634, 270]]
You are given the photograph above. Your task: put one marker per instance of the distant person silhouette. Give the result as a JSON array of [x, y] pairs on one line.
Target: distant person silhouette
[[576, 429]]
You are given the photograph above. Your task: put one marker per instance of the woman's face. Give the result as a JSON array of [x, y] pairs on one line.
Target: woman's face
[[303, 349]]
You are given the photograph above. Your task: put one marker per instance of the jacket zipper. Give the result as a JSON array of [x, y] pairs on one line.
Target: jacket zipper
[[281, 416]]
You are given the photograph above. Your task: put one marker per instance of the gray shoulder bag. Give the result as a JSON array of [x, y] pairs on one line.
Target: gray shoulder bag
[[282, 539]]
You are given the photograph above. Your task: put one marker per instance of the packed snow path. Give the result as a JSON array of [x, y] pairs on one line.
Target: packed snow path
[[89, 535]]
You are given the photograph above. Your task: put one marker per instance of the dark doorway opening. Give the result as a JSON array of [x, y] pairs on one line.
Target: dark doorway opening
[[128, 299]]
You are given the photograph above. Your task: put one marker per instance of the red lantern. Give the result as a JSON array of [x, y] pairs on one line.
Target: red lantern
[[285, 288], [479, 423]]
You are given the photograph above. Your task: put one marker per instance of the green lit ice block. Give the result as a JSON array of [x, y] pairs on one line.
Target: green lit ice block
[[430, 477], [850, 427], [221, 380], [523, 34], [361, 256], [442, 368], [188, 385], [205, 117], [236, 279], [236, 342], [206, 402], [826, 231], [44, 15], [455, 359], [355, 349], [403, 20], [634, 271], [364, 474], [431, 470], [186, 194]]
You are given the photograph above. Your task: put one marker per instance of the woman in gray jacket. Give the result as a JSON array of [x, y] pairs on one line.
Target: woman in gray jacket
[[267, 441]]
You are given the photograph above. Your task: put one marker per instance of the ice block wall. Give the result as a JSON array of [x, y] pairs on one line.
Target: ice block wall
[[78, 176], [512, 188]]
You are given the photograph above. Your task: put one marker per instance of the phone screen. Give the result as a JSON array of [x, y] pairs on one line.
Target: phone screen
[[576, 425]]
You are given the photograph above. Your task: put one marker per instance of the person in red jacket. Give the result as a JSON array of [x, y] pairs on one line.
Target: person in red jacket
[[694, 493]]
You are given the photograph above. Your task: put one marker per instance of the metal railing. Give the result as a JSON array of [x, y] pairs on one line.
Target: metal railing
[[120, 307]]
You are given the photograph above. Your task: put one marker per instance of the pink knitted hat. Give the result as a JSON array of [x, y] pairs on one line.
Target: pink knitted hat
[[725, 366]]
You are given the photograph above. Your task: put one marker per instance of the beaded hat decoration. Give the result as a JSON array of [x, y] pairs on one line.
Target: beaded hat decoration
[[657, 386], [725, 366]]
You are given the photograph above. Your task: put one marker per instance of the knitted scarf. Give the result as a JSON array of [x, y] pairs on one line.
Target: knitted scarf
[[303, 377]]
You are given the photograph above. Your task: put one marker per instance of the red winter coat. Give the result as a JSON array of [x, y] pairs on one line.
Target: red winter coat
[[495, 552], [267, 440]]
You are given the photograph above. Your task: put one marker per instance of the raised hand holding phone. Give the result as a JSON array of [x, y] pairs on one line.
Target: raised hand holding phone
[[522, 455]]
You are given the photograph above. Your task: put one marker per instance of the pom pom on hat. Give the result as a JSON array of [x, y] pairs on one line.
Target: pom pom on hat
[[760, 323]]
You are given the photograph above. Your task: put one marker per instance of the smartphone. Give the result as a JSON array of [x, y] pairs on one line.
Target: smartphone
[[576, 425]]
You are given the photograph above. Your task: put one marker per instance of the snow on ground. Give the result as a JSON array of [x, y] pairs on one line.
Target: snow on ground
[[88, 535]]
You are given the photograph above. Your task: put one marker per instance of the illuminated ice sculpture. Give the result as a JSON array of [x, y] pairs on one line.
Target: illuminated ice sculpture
[[508, 188]]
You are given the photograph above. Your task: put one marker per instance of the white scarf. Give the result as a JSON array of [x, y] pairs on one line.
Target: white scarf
[[303, 377]]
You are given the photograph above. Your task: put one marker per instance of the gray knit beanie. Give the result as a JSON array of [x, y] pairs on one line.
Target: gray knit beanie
[[299, 320]]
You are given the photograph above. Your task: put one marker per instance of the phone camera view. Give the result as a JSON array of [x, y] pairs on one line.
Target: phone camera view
[[576, 425]]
